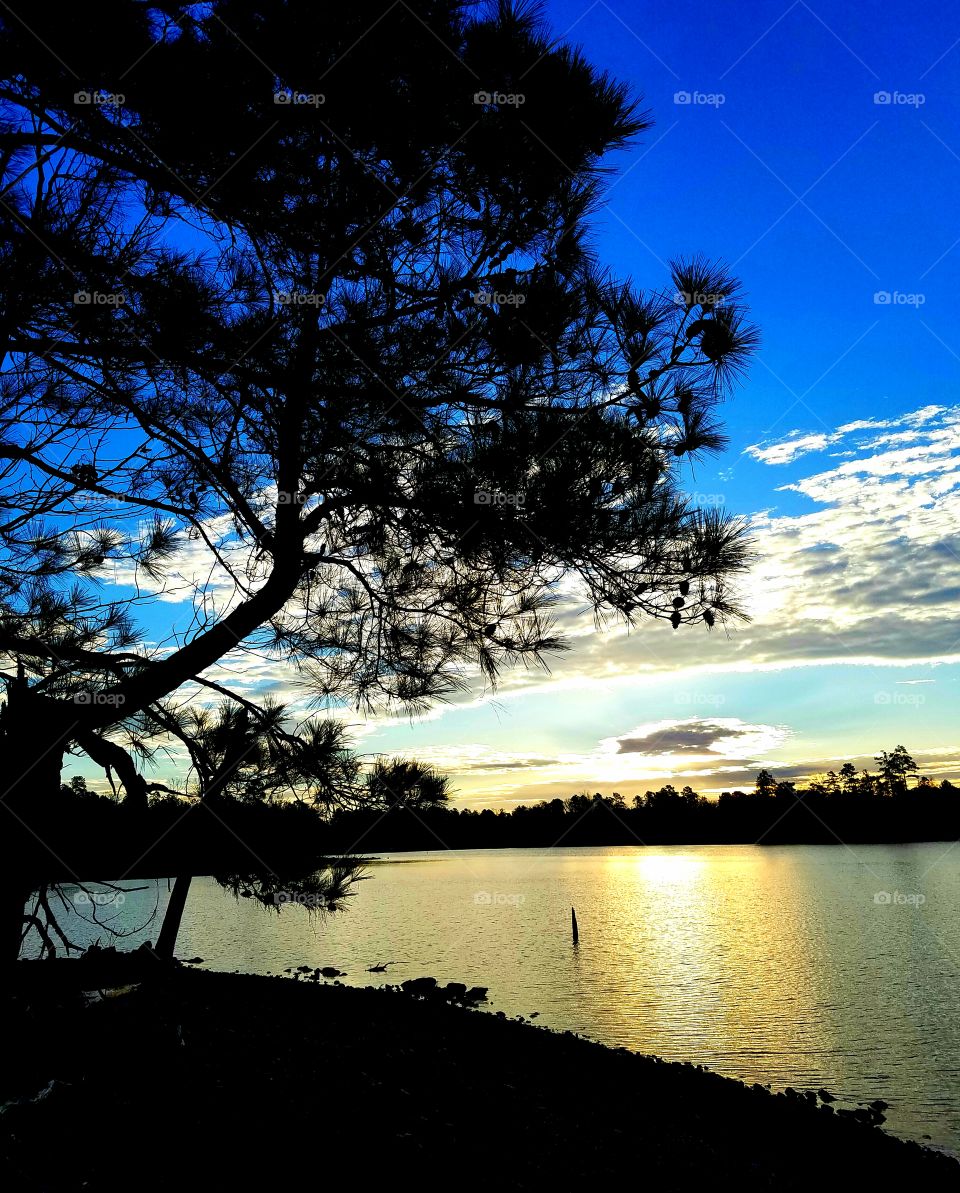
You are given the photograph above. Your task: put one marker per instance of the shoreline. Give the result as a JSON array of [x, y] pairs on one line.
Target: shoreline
[[396, 855], [291, 842], [265, 1078]]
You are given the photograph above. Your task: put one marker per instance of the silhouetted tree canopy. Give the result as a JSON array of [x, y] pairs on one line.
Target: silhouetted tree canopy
[[895, 769], [400, 782], [340, 459], [297, 301]]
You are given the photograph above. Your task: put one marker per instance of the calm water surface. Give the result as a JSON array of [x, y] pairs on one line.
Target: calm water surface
[[782, 965]]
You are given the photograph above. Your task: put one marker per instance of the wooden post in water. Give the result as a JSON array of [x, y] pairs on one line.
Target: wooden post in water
[[573, 922]]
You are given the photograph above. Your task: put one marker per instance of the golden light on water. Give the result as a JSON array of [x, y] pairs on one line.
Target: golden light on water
[[696, 960], [679, 869], [767, 964]]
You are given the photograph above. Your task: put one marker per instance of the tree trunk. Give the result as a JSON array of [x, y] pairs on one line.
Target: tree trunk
[[110, 756], [13, 899], [31, 759], [167, 940]]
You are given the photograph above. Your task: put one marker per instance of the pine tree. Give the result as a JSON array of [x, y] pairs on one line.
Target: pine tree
[[347, 362]]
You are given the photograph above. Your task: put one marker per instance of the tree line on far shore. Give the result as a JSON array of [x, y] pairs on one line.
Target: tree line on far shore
[[893, 804]]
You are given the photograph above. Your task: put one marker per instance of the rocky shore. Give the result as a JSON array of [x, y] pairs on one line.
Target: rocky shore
[[231, 1082]]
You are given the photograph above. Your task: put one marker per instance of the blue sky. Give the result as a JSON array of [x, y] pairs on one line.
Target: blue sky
[[816, 154], [819, 198]]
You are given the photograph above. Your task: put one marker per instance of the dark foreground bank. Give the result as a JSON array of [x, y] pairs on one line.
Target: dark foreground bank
[[224, 1081]]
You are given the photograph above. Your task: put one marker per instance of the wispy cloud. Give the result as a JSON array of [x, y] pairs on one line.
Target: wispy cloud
[[867, 575], [795, 444]]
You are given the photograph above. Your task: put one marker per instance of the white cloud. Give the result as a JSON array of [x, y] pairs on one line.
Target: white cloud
[[801, 443], [868, 575], [790, 448]]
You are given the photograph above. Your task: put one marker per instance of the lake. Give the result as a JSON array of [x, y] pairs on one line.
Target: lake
[[810, 966]]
